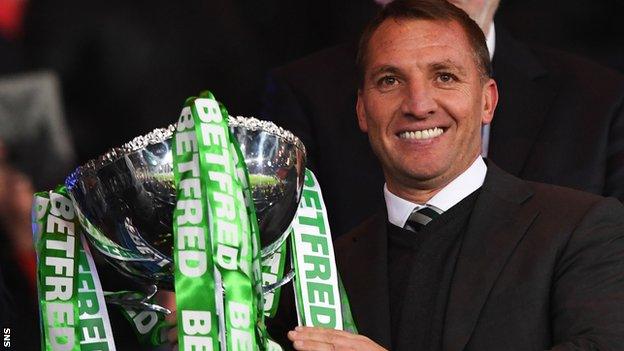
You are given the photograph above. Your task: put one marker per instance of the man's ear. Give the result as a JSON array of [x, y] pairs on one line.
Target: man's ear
[[361, 112], [490, 100]]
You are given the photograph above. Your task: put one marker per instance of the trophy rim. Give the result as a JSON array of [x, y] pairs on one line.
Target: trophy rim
[[159, 135]]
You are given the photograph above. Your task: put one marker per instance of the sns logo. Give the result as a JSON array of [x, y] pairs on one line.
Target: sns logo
[[7, 337]]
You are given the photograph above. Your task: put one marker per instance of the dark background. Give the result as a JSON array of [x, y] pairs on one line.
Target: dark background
[[126, 67]]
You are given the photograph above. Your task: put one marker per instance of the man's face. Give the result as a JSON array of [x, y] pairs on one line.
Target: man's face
[[423, 102], [481, 11]]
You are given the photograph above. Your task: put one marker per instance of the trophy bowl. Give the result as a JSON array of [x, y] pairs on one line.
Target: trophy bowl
[[125, 198]]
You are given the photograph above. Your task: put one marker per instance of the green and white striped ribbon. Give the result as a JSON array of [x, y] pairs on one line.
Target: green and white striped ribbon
[[320, 299], [96, 333], [72, 308], [262, 338], [196, 296], [219, 253], [149, 326], [272, 272]]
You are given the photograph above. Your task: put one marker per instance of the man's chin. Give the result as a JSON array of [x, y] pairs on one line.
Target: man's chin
[[424, 177]]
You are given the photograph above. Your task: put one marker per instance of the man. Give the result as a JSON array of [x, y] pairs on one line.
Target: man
[[465, 256], [559, 120]]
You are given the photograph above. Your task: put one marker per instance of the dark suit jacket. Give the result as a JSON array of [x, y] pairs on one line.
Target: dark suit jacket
[[540, 267], [560, 120]]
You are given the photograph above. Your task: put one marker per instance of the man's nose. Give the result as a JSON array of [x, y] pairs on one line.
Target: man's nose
[[418, 101]]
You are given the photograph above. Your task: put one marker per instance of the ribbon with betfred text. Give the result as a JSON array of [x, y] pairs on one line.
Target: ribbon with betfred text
[[320, 298], [212, 238], [263, 340], [230, 229], [72, 308], [256, 266], [147, 322], [273, 268], [196, 296]]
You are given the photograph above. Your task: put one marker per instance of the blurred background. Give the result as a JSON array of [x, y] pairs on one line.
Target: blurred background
[[125, 67], [78, 77]]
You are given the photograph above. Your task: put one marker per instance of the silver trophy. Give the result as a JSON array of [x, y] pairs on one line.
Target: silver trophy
[[125, 199]]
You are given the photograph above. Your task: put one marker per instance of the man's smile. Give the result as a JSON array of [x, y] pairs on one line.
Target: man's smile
[[423, 134]]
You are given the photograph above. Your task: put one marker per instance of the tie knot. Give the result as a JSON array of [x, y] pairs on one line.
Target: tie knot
[[420, 218]]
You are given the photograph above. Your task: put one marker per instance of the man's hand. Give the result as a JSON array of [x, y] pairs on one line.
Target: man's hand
[[172, 331], [167, 300], [321, 339]]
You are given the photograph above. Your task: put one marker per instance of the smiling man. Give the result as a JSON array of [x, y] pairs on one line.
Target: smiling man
[[464, 256], [426, 91]]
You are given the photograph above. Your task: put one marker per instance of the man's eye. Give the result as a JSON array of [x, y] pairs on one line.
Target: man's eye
[[388, 81], [446, 77]]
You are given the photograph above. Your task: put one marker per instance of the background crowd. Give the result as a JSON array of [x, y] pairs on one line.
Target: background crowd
[[79, 77]]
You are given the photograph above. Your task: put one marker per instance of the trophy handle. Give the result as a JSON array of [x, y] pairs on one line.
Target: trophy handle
[[274, 246], [137, 301]]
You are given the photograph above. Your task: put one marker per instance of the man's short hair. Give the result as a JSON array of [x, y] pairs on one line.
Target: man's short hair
[[434, 10]]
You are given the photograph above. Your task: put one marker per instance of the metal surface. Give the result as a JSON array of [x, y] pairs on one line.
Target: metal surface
[[137, 301], [125, 199]]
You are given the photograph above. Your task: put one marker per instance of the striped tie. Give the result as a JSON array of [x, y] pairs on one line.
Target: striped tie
[[420, 218]]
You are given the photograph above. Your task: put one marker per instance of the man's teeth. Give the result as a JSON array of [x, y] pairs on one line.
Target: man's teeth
[[422, 134]]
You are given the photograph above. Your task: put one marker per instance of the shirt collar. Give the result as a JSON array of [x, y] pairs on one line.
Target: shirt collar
[[459, 188], [491, 40]]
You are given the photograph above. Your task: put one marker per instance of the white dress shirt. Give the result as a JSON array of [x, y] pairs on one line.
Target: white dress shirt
[[459, 188]]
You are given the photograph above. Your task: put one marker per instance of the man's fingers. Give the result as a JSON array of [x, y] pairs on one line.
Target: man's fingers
[[321, 339], [323, 334], [333, 337], [336, 332], [310, 345]]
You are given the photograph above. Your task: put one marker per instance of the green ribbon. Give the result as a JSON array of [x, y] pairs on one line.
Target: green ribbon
[[95, 328], [57, 250], [320, 300], [149, 326], [347, 318], [72, 308], [257, 273], [230, 226], [224, 288], [196, 296], [272, 272]]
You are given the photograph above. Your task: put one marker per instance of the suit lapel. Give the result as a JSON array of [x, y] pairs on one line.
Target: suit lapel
[[498, 222], [526, 91], [362, 261]]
